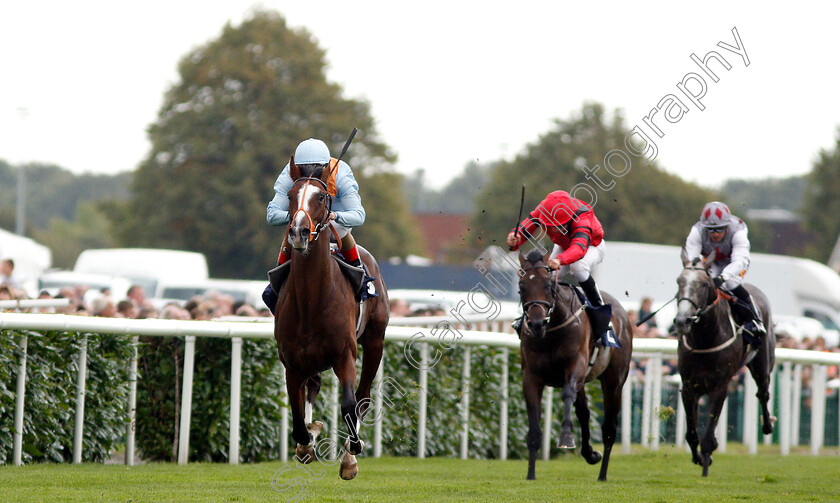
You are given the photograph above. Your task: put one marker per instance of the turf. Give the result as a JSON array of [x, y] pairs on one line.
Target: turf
[[665, 476]]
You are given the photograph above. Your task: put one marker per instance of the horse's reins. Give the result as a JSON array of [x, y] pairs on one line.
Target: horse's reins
[[700, 312], [548, 307]]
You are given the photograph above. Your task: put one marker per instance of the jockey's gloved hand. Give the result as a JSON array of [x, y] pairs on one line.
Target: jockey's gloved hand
[[718, 281]]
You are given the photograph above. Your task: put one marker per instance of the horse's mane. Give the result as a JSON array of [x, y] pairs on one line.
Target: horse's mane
[[534, 256]]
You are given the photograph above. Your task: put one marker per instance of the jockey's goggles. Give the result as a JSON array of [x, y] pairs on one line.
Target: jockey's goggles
[[716, 229]]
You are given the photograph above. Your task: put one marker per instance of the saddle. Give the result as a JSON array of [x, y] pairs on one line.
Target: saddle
[[360, 281], [600, 317]]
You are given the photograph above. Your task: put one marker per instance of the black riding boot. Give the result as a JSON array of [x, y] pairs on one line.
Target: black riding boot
[[749, 316], [590, 289], [593, 295]]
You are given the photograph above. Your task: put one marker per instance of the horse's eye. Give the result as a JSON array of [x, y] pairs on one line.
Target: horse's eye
[[320, 198]]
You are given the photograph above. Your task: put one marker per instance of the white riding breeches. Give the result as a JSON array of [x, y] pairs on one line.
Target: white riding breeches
[[581, 269], [340, 229], [732, 280]]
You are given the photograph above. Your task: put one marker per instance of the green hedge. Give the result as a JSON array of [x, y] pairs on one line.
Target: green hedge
[[51, 381], [159, 387], [50, 400]]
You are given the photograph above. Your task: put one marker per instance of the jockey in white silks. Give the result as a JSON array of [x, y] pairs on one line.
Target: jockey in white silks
[[720, 231]]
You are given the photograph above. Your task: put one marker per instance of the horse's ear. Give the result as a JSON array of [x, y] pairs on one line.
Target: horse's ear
[[294, 170], [684, 257], [546, 257], [325, 174], [710, 259]]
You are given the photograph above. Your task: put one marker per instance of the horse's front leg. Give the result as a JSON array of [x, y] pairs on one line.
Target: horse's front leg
[[345, 370], [304, 452], [570, 392], [582, 412], [690, 402], [532, 388], [709, 443]]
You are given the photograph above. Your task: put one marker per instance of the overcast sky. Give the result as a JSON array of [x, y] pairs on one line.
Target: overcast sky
[[448, 82]]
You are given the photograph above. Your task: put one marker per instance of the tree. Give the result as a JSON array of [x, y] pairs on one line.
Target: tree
[[645, 204], [67, 239], [785, 193], [224, 133], [822, 202]]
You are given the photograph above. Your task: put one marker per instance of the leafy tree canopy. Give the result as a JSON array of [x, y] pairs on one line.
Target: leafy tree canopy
[[54, 192], [782, 193], [645, 204], [225, 132], [822, 201]]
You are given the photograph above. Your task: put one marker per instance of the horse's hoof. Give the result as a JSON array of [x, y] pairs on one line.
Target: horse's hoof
[[349, 468], [567, 442], [305, 454], [767, 427], [594, 458]]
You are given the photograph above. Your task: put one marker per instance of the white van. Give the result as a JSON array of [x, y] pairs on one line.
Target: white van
[[53, 281], [795, 286], [146, 267]]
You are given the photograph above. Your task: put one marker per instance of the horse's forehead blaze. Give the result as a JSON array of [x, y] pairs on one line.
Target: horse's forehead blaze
[[305, 195]]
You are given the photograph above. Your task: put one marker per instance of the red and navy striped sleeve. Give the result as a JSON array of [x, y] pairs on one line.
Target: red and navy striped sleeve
[[581, 237]]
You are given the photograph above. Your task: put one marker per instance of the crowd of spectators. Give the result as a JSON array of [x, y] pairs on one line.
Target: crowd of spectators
[[212, 304]]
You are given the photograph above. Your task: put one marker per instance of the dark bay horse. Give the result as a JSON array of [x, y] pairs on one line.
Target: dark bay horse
[[556, 350], [316, 321], [711, 351]]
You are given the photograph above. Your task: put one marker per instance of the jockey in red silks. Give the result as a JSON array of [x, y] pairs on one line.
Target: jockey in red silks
[[578, 241], [720, 231]]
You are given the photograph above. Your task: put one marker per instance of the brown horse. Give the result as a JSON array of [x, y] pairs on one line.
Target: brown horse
[[316, 322], [557, 350], [711, 351]]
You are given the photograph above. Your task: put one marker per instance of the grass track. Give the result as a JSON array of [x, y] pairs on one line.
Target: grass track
[[665, 476]]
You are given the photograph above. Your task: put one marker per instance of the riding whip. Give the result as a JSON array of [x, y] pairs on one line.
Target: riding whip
[[651, 315], [518, 220], [347, 145]]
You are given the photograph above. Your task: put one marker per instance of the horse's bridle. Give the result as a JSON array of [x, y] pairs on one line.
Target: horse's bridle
[[700, 311], [314, 228], [548, 307]]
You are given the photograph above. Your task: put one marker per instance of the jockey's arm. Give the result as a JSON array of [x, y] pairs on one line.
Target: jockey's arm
[[277, 212], [526, 228], [693, 244], [350, 212], [581, 238], [740, 260]]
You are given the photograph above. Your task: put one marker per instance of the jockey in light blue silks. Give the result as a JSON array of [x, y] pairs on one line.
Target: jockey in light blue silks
[[312, 156], [720, 231]]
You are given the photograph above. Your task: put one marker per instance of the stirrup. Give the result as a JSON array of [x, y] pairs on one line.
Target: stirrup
[[610, 338], [754, 333]]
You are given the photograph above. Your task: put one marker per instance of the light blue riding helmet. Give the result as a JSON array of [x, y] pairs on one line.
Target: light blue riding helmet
[[312, 151]]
